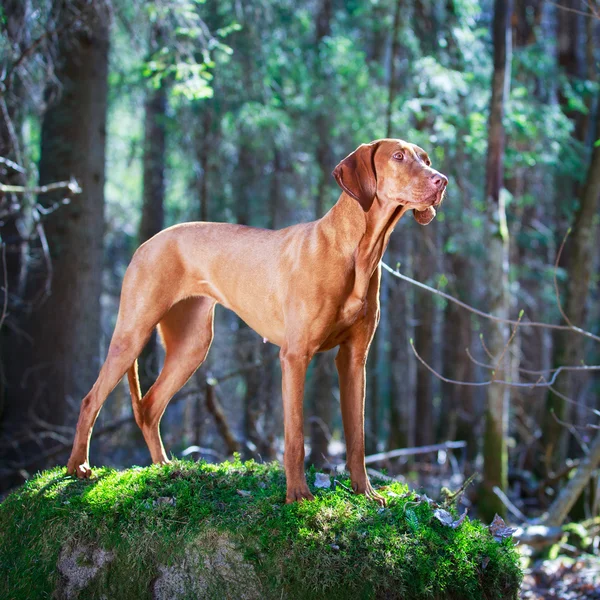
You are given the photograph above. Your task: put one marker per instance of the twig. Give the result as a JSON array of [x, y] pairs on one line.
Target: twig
[[573, 10], [71, 185], [509, 505], [543, 384], [384, 477], [13, 165], [507, 345], [485, 315], [452, 496], [542, 378], [412, 451]]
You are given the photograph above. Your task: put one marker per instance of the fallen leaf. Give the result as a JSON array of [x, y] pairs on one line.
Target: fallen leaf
[[322, 480], [500, 530], [244, 493], [444, 517]]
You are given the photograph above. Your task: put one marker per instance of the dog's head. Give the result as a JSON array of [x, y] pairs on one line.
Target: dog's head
[[395, 172]]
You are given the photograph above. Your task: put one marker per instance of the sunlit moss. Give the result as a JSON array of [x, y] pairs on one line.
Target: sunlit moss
[[338, 546]]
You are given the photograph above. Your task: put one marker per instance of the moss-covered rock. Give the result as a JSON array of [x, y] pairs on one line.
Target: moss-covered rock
[[194, 530]]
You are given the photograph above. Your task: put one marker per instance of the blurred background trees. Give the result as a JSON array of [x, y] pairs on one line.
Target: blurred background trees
[[176, 110]]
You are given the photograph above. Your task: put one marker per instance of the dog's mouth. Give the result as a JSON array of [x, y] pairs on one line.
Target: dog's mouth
[[434, 199]]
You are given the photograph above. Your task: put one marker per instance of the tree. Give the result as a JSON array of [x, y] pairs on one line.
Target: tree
[[153, 212], [403, 368], [579, 263], [495, 472], [322, 379], [65, 324]]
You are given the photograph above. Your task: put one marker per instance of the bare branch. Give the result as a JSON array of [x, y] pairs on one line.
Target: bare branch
[[13, 165], [543, 383], [72, 186], [485, 315], [574, 10]]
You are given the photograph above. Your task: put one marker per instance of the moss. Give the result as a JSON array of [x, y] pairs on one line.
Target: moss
[[193, 524]]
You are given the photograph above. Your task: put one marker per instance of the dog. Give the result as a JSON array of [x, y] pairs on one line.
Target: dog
[[306, 288]]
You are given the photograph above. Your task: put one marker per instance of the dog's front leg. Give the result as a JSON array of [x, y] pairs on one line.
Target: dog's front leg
[[350, 362], [294, 363]]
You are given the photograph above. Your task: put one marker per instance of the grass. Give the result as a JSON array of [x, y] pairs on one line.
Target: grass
[[172, 517]]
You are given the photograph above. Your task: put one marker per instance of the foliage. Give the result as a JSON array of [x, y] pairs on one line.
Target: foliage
[[336, 546]]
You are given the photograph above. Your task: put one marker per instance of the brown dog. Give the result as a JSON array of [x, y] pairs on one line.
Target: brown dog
[[306, 288]]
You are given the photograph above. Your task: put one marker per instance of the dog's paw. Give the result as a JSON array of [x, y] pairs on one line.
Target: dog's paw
[[79, 469], [297, 493], [369, 492]]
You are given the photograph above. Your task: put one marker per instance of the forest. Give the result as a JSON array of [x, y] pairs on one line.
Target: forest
[[121, 118]]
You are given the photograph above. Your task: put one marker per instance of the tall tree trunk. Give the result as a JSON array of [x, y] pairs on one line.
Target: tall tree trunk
[[63, 360], [495, 470], [322, 379], [424, 332], [402, 363], [579, 252], [14, 227], [153, 212], [459, 401], [403, 369]]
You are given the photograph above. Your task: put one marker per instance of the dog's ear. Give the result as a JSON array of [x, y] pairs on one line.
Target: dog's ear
[[424, 217], [356, 175]]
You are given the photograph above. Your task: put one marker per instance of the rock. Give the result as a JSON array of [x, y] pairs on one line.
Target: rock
[[213, 567], [78, 566]]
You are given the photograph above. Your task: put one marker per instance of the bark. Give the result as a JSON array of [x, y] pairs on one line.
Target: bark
[[403, 368], [496, 414], [322, 380], [459, 401], [57, 359], [65, 327], [424, 338], [13, 228], [153, 214], [392, 81], [402, 362], [579, 265]]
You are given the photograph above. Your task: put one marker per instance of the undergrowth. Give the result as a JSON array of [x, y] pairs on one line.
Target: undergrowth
[[338, 546]]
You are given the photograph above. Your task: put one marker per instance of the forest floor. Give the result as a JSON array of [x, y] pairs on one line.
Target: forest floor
[[563, 578]]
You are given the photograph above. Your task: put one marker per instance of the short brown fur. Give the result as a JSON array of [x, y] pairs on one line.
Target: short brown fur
[[306, 288]]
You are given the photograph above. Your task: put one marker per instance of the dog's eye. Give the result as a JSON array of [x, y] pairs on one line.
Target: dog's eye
[[428, 162], [398, 156]]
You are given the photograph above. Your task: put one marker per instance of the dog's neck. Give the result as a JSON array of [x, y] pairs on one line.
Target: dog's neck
[[363, 235]]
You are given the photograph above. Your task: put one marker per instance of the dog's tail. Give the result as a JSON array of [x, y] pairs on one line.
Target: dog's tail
[[135, 390]]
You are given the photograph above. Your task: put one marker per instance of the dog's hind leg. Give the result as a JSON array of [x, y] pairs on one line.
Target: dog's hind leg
[[125, 346], [142, 306], [187, 332]]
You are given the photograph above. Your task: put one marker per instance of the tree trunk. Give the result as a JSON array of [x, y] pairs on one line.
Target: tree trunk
[[496, 414], [423, 339], [322, 380], [403, 366], [63, 359], [402, 362], [153, 219], [14, 227], [579, 256], [458, 400]]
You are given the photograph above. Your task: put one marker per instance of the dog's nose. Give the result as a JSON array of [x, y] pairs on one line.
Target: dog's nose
[[440, 181]]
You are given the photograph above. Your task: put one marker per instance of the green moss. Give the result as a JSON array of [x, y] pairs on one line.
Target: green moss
[[149, 520]]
